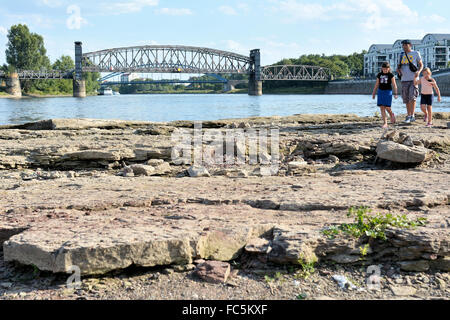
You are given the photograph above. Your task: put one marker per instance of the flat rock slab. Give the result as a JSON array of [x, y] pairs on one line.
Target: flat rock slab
[[102, 241], [116, 240], [403, 290]]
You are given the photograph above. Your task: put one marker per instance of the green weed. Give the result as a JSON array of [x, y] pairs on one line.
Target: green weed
[[373, 226]]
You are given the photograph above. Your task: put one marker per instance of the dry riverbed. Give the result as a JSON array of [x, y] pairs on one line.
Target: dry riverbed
[[105, 196]]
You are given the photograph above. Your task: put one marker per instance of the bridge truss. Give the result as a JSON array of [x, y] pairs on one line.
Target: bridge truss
[[295, 72], [166, 59]]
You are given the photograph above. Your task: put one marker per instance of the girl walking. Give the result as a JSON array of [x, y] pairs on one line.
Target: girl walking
[[426, 100], [383, 88]]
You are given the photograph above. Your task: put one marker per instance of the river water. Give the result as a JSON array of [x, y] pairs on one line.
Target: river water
[[162, 108]]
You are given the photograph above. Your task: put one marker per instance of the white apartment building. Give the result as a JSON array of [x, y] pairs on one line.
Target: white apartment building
[[128, 77], [434, 49]]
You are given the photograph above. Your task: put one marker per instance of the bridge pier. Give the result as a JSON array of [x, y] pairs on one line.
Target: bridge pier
[[79, 84], [79, 88], [255, 87], [13, 85], [254, 81], [227, 87]]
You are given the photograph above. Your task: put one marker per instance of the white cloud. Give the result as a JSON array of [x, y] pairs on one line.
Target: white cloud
[[174, 11], [50, 3], [75, 20], [237, 47], [128, 7], [3, 31], [227, 10], [243, 7], [436, 18], [371, 15], [32, 20]]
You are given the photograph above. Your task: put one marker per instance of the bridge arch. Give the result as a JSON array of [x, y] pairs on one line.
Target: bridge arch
[[167, 59]]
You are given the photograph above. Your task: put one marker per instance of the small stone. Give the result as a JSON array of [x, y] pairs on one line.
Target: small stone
[[392, 135], [258, 245], [199, 261], [333, 159], [441, 284], [168, 271], [297, 165], [403, 290], [198, 171], [343, 282], [344, 258], [142, 170], [183, 268], [323, 298], [189, 267], [408, 142], [70, 174], [214, 271], [232, 284], [127, 172]]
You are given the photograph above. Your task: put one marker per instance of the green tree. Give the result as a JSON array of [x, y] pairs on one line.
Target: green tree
[[26, 50], [65, 63]]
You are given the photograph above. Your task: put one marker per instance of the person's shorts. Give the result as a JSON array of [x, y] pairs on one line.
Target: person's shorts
[[384, 98], [426, 99], [410, 92]]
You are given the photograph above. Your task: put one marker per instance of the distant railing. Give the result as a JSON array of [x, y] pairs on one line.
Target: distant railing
[[295, 72], [41, 75]]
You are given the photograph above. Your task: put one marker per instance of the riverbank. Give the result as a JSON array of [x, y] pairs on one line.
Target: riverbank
[[106, 196]]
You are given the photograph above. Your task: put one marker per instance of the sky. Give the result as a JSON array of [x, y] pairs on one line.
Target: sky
[[279, 28]]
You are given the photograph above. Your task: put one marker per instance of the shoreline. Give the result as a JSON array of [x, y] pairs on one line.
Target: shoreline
[[269, 92]]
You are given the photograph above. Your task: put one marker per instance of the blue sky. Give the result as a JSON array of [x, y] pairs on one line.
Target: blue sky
[[280, 28]]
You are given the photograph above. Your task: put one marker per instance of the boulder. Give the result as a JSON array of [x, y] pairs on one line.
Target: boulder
[[214, 271], [142, 170], [400, 153]]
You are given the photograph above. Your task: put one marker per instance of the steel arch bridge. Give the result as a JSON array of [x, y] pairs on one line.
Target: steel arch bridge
[[176, 59], [167, 59]]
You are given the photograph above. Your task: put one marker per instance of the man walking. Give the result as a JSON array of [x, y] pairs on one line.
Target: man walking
[[409, 69]]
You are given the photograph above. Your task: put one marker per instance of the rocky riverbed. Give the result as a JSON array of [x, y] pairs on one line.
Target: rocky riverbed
[[107, 197]]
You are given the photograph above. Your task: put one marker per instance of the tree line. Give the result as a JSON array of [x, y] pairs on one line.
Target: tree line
[[26, 51], [341, 66]]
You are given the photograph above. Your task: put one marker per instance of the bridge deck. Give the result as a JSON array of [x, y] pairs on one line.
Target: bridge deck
[[42, 75]]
